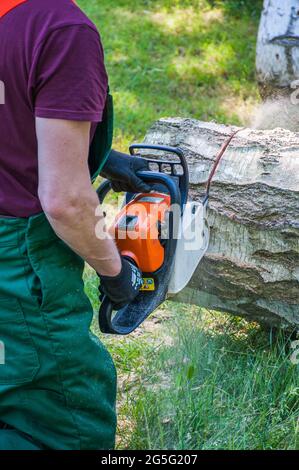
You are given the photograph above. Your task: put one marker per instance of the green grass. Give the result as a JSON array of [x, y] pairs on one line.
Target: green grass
[[192, 379], [191, 58], [222, 384]]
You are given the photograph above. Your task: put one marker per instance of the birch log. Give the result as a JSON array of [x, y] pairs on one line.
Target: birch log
[[252, 265], [277, 57]]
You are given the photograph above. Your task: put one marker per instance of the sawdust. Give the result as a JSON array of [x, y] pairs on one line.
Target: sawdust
[[237, 106], [278, 113]]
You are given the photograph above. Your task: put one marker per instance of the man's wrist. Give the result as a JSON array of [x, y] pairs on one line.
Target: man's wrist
[[114, 276], [110, 268]]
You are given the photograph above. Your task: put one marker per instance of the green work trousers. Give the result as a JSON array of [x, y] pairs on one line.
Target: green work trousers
[[57, 381]]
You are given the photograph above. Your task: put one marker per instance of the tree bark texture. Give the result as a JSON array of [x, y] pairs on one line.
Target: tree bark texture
[[277, 55], [252, 265]]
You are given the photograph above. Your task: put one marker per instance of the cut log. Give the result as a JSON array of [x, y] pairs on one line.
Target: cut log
[[252, 265], [277, 57]]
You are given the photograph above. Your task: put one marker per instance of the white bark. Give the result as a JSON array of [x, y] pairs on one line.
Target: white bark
[[252, 265], [277, 58]]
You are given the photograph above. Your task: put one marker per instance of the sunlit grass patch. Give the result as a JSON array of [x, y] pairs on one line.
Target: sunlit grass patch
[[209, 68], [188, 20]]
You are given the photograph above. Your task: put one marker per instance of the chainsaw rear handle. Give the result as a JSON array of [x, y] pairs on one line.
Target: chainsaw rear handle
[[106, 320]]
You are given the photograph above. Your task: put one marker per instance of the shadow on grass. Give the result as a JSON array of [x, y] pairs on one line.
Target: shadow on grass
[[239, 8]]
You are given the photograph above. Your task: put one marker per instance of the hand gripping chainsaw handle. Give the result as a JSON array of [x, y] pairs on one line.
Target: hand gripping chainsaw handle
[[131, 316]]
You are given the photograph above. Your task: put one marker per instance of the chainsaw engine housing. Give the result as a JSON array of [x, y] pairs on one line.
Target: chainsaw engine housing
[[146, 232]]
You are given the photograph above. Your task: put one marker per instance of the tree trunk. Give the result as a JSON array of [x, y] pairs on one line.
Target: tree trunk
[[252, 265], [277, 58]]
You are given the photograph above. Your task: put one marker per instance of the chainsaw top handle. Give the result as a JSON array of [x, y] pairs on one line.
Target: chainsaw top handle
[[164, 165], [149, 177]]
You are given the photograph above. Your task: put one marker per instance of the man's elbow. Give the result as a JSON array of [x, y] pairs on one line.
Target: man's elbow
[[59, 206]]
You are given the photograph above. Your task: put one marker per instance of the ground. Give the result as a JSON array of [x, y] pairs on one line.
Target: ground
[[192, 379]]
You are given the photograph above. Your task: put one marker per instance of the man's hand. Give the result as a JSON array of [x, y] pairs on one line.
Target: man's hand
[[122, 289], [121, 170]]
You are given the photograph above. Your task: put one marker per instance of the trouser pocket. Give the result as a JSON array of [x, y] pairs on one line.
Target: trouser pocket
[[19, 361]]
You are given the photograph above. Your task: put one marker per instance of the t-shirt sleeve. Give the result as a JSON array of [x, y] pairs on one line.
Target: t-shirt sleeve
[[70, 78]]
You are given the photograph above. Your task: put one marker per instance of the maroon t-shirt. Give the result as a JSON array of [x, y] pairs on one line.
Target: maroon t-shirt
[[51, 66]]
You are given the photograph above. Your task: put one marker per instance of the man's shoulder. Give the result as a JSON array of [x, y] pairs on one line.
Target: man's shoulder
[[48, 15]]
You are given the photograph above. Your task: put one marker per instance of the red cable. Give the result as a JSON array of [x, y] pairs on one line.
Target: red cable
[[217, 161]]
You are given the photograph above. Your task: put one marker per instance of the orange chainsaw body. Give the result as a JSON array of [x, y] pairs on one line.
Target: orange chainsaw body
[[137, 230]]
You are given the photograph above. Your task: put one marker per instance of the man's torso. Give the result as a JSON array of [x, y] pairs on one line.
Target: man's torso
[[24, 29]]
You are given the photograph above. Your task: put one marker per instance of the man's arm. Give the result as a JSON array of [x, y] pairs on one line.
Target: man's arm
[[66, 194]]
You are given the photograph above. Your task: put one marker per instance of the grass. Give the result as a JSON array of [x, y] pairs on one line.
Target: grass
[[221, 384], [200, 380], [192, 379], [177, 58]]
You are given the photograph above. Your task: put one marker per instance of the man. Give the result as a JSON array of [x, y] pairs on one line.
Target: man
[[57, 383]]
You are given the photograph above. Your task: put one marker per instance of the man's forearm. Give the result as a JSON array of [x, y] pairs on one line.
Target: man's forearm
[[66, 194], [75, 223]]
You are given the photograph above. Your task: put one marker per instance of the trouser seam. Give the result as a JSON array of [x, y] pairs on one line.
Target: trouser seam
[[52, 342], [24, 267]]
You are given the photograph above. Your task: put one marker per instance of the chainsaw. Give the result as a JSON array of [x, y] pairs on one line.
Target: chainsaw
[[163, 233], [151, 230]]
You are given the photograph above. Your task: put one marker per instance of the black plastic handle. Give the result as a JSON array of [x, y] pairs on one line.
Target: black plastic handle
[[184, 178], [151, 178], [103, 190], [107, 323], [164, 148], [105, 316]]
